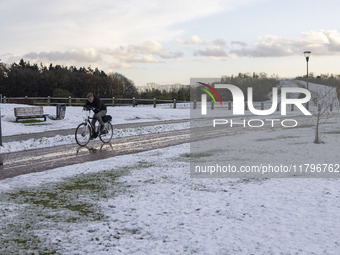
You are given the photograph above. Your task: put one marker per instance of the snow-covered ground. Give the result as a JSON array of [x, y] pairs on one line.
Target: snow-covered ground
[[147, 203], [74, 116]]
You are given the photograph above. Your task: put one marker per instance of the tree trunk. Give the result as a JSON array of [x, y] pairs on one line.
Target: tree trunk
[[316, 140]]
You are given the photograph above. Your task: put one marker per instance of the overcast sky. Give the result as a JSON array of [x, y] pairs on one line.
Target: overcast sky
[[172, 41]]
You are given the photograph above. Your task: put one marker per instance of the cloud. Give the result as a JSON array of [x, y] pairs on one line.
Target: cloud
[[211, 52], [193, 40], [61, 25], [121, 57], [215, 48], [220, 42], [85, 55], [323, 43], [240, 43]]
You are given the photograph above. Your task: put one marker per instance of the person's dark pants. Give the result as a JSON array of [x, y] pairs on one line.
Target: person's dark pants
[[98, 116]]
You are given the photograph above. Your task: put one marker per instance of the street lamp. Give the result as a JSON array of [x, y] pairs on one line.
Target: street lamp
[[307, 55]]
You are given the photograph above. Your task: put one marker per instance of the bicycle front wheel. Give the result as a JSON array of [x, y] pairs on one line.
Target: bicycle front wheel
[[83, 134], [107, 133]]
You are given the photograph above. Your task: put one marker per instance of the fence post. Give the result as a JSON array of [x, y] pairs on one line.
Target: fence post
[[0, 120], [212, 105], [174, 103], [195, 104], [5, 100], [69, 100], [292, 108], [134, 102], [229, 105], [154, 103], [113, 101], [48, 100]]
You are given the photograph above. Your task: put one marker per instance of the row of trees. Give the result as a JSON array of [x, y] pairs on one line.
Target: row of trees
[[26, 79]]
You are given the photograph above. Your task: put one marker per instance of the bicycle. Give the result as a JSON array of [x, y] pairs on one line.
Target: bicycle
[[85, 130]]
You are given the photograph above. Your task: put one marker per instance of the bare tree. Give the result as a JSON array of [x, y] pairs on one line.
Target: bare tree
[[325, 98]]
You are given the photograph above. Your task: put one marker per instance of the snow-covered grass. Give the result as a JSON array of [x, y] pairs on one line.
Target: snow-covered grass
[[147, 203], [74, 116]]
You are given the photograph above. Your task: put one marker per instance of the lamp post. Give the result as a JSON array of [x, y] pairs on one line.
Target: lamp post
[[307, 55]]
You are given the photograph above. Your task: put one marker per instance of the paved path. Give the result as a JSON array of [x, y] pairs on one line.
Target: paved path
[[71, 131]]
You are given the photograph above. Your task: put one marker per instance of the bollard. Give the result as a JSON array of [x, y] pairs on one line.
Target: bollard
[[195, 104], [154, 103], [69, 100], [174, 103], [113, 101], [0, 120]]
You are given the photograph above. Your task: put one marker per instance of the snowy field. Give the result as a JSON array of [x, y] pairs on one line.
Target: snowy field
[[147, 203], [74, 116]]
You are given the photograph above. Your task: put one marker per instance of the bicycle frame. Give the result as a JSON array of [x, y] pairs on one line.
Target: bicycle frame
[[88, 122]]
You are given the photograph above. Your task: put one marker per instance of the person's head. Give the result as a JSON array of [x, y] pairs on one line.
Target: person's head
[[90, 97]]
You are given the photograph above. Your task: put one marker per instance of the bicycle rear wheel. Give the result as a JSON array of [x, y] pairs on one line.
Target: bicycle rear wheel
[[83, 134], [107, 133]]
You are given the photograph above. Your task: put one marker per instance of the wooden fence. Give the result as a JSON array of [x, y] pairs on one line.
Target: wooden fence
[[136, 101], [70, 101]]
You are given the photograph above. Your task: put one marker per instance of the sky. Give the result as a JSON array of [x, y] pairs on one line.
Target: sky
[[170, 42]]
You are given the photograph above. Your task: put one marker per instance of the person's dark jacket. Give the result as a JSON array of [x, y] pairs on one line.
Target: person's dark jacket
[[97, 105]]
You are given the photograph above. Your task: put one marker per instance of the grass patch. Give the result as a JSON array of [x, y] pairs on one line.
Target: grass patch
[[28, 121], [305, 126], [265, 139], [38, 124], [332, 132], [197, 155], [32, 122], [135, 118], [54, 206]]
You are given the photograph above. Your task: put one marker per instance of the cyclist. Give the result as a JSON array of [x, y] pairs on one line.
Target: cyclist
[[98, 107]]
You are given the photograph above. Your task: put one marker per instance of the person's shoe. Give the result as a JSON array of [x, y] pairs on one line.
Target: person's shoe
[[93, 136], [103, 130]]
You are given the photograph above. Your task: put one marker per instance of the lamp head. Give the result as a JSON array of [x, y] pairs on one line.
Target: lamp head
[[307, 54]]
